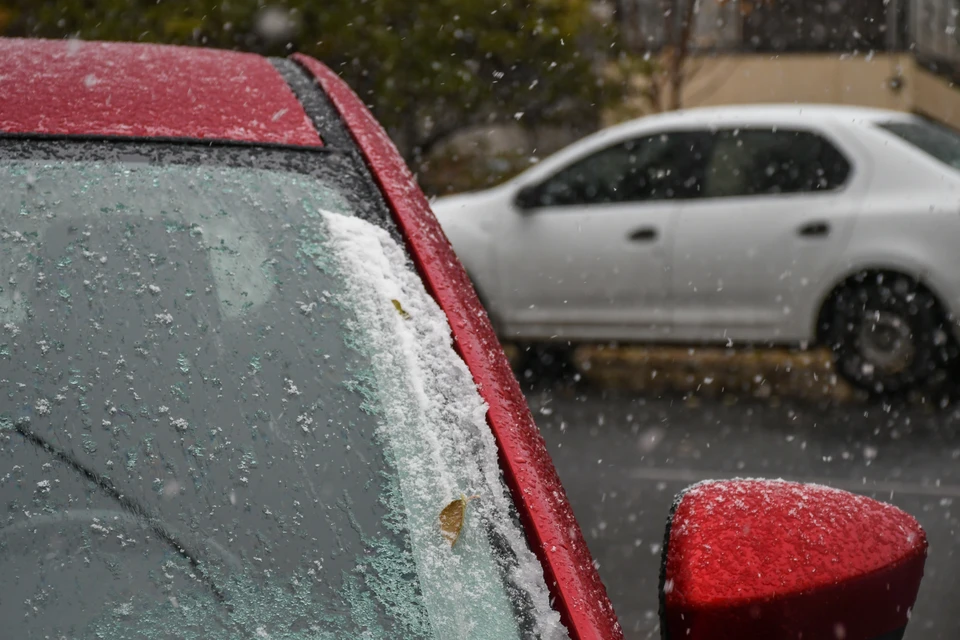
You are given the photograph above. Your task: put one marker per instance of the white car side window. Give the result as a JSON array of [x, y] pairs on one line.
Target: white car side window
[[657, 167], [765, 161]]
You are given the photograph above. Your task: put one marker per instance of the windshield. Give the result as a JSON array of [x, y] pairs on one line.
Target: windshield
[[232, 410], [933, 139]]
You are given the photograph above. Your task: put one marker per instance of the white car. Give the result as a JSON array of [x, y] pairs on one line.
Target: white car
[[774, 224]]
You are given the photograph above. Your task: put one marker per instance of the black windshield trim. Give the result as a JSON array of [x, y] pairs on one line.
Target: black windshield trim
[[325, 118], [338, 167], [166, 140], [333, 130]]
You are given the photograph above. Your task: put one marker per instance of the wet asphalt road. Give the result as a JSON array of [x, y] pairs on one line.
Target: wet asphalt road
[[622, 455]]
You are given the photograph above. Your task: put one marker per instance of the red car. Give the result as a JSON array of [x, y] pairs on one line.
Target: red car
[[251, 393]]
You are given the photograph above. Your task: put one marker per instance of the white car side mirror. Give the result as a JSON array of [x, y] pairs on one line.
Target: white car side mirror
[[527, 198]]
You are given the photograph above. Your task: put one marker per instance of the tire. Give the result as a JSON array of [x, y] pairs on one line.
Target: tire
[[888, 333]]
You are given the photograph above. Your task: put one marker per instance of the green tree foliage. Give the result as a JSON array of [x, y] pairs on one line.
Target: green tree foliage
[[426, 67]]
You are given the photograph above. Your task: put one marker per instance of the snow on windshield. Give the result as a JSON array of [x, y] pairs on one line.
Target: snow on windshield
[[435, 425]]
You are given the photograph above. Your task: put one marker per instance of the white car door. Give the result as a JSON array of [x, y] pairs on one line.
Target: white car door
[[585, 252], [773, 215]]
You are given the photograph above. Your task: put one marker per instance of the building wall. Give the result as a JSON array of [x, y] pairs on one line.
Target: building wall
[[821, 78], [935, 97]]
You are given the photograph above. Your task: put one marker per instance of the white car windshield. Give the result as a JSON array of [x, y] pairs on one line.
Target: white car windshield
[[233, 411]]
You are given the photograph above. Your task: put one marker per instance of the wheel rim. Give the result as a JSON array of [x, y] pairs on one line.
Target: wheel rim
[[886, 342]]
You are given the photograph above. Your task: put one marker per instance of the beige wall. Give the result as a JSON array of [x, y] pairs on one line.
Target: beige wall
[[935, 97], [820, 78]]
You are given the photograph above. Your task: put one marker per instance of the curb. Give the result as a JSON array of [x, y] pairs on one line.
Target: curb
[[715, 371]]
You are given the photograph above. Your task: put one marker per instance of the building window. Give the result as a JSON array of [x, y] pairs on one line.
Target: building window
[[817, 25], [771, 25], [934, 29], [716, 24]]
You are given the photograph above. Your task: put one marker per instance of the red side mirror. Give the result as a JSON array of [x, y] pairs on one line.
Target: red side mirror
[[774, 560]]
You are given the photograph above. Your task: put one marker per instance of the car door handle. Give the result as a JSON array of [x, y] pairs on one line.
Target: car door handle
[[814, 230], [644, 234]]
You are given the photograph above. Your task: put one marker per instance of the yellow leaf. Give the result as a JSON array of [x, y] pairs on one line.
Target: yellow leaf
[[451, 518], [400, 309]]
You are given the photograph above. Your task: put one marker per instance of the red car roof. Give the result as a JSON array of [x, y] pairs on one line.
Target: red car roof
[[69, 87]]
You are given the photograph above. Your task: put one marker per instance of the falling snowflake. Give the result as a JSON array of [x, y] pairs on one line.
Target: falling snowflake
[[305, 422], [42, 407]]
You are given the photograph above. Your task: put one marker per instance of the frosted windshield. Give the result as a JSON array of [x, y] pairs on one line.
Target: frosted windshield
[[219, 424]]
